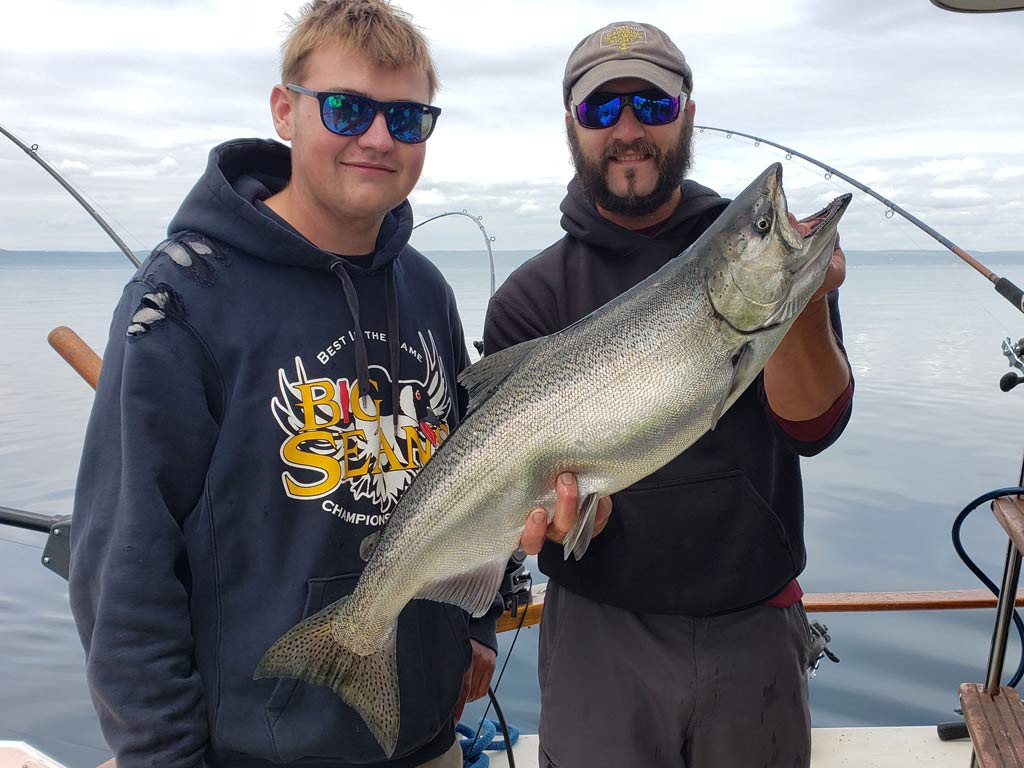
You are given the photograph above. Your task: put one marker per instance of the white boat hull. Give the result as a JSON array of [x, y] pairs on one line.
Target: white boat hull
[[830, 748], [834, 748]]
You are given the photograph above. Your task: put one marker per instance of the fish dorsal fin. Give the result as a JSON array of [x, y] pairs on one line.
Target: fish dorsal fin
[[740, 362], [473, 591], [484, 377], [582, 531]]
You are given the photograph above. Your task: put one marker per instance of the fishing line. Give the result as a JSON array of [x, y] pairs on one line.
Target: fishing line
[[21, 543], [914, 237], [504, 726], [109, 215], [494, 691], [36, 152]]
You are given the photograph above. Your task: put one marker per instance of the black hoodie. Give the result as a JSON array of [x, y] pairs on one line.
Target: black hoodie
[[230, 474], [718, 529]]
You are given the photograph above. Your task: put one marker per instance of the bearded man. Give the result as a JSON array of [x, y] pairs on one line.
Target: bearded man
[[680, 638]]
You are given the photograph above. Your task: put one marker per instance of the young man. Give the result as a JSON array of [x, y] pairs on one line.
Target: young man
[[277, 373], [679, 639]]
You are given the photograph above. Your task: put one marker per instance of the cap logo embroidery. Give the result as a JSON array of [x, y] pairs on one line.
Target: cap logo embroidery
[[623, 36]]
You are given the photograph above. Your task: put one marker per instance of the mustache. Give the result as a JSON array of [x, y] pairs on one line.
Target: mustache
[[639, 147]]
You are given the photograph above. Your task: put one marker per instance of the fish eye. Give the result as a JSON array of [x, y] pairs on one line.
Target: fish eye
[[763, 223]]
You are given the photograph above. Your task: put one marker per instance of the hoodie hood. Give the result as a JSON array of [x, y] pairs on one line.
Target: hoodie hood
[[222, 205], [581, 220]]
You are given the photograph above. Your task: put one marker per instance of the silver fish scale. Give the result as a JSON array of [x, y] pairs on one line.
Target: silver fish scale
[[612, 399]]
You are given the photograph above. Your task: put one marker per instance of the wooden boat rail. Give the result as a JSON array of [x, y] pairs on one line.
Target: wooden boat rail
[[824, 602]]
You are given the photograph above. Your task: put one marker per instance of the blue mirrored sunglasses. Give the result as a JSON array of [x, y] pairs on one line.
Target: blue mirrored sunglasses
[[351, 114], [651, 107]]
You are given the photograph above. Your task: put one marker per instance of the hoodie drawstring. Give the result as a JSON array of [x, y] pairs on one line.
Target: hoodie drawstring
[[391, 306], [362, 364]]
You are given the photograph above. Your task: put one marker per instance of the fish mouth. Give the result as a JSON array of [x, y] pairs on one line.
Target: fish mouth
[[825, 219], [820, 243], [827, 214]]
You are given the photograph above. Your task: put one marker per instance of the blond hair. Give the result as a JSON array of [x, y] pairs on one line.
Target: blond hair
[[375, 28]]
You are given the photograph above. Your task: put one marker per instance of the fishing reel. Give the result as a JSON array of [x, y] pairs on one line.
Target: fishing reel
[[819, 640], [1015, 354], [515, 586]]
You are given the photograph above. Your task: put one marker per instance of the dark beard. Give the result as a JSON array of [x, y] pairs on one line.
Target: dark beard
[[672, 167]]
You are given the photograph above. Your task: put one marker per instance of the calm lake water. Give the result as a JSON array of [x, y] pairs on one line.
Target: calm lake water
[[930, 431]]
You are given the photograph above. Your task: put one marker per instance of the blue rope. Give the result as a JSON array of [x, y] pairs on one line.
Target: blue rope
[[473, 750]]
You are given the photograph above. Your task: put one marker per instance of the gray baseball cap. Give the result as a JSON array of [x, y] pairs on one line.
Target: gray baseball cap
[[625, 49]]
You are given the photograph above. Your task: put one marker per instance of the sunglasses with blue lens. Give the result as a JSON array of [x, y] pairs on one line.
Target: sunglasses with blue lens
[[351, 114], [651, 107]]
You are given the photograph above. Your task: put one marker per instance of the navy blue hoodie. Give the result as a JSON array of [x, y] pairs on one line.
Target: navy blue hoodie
[[231, 471]]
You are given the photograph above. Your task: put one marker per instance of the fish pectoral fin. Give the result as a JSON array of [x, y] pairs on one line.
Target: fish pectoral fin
[[741, 360], [368, 545], [311, 651], [582, 531], [472, 591], [482, 379]]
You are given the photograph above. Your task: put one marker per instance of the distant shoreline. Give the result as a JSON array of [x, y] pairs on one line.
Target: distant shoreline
[[476, 257]]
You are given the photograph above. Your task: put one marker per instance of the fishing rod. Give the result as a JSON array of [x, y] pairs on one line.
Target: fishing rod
[[57, 551], [1003, 286], [479, 221], [33, 152], [29, 521]]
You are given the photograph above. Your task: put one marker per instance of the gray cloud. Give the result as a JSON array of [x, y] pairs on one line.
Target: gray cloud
[[923, 105]]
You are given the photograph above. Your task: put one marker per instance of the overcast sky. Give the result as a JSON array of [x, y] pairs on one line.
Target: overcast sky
[[926, 106]]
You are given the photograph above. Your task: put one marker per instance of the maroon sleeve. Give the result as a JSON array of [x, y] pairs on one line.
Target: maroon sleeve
[[818, 428], [791, 594]]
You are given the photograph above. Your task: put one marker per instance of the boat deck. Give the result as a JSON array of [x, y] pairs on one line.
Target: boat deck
[[834, 748], [830, 748]]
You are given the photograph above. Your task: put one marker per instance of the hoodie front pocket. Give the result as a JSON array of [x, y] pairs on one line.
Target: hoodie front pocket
[[698, 545], [339, 587], [312, 721]]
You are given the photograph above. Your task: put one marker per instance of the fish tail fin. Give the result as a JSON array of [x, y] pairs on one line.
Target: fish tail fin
[[313, 651]]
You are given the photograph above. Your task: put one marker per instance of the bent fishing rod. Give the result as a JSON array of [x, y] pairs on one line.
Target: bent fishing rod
[[1003, 286], [479, 221], [33, 152]]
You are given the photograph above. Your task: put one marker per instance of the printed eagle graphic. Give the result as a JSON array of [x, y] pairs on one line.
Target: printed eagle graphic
[[422, 424]]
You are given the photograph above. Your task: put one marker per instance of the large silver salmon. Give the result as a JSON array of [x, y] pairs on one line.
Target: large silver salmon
[[685, 343]]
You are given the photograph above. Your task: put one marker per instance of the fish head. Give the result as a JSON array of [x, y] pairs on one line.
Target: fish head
[[764, 271]]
